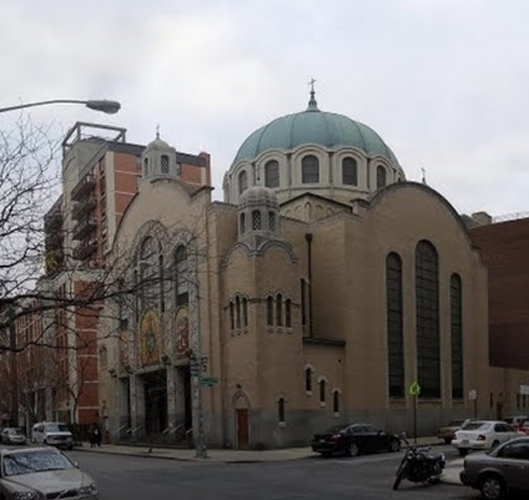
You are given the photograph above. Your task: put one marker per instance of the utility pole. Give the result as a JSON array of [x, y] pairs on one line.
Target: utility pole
[[196, 365]]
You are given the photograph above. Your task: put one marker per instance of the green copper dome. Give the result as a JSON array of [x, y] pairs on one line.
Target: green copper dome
[[313, 126]]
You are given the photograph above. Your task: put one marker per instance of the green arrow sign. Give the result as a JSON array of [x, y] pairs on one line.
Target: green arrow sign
[[414, 389], [209, 381]]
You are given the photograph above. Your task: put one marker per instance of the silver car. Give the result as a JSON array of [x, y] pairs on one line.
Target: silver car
[[503, 470], [12, 435], [42, 473]]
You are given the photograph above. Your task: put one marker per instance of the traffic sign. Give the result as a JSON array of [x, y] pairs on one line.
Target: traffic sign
[[414, 389], [472, 395], [209, 381]]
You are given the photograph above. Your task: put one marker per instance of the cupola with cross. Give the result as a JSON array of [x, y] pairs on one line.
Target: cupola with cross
[[158, 160]]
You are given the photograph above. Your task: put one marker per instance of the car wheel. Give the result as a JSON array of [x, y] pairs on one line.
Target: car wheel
[[353, 450], [394, 445], [448, 440], [492, 487], [463, 452]]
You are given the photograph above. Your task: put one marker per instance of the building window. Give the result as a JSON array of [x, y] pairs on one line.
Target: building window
[[279, 310], [427, 310], [349, 171], [491, 400], [181, 277], [232, 316], [303, 304], [381, 177], [456, 320], [336, 402], [244, 312], [237, 312], [149, 273], [288, 313], [271, 174], [243, 223], [322, 391], [271, 221], [308, 379], [165, 164], [243, 182], [310, 170], [161, 277], [256, 220], [518, 397], [281, 410], [146, 166], [394, 326], [270, 311]]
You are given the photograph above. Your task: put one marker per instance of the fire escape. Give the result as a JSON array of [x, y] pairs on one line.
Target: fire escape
[[83, 213]]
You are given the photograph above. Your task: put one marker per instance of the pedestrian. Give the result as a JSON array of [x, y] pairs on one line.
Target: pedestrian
[[97, 436]]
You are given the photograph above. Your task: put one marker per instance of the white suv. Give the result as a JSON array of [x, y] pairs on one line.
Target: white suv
[[52, 433]]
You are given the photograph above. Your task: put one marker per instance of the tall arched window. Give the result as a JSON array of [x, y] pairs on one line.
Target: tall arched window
[[349, 171], [279, 310], [237, 312], [271, 221], [243, 182], [232, 316], [456, 324], [146, 166], [394, 326], [427, 310], [256, 220], [310, 170], [336, 402], [244, 312], [322, 391], [149, 284], [270, 311], [164, 164], [181, 277], [281, 410], [308, 379], [243, 223], [288, 313], [381, 177], [271, 169]]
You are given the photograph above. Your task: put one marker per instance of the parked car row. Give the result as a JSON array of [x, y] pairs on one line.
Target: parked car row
[[12, 435], [52, 433]]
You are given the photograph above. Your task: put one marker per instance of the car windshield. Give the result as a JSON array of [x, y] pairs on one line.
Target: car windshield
[[474, 426], [455, 423], [34, 461], [56, 428]]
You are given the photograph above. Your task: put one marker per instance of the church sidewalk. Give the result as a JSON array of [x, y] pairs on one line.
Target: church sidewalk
[[221, 456]]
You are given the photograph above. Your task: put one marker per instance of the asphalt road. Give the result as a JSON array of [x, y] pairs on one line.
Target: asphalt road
[[362, 478]]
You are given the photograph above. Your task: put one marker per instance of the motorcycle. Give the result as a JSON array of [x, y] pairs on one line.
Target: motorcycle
[[420, 466]]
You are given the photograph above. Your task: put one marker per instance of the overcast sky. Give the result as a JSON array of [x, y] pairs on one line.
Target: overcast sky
[[444, 82]]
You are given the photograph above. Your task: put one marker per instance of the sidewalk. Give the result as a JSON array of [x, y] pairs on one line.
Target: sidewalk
[[221, 456]]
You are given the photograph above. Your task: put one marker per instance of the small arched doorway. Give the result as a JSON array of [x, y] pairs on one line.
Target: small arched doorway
[[242, 421]]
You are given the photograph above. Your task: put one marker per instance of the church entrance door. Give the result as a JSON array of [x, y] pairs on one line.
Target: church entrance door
[[243, 434], [155, 384]]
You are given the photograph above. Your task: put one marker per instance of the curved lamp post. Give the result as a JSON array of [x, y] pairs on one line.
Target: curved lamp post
[[109, 107]]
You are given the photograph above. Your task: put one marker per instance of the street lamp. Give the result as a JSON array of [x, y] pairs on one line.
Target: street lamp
[[104, 105]]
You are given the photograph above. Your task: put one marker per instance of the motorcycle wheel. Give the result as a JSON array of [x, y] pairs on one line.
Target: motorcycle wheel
[[400, 476]]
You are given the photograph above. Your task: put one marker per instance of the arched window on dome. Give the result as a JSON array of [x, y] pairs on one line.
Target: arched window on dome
[[271, 174], [310, 170], [243, 181], [271, 221], [243, 223], [146, 166], [256, 220], [427, 322], [381, 177], [164, 164], [349, 171]]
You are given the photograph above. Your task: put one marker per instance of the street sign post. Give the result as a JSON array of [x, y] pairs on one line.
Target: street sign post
[[473, 396], [415, 391]]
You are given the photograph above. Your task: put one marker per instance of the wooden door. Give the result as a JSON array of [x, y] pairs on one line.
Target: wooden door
[[243, 434]]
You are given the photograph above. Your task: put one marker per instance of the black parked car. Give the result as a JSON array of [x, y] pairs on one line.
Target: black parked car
[[354, 439]]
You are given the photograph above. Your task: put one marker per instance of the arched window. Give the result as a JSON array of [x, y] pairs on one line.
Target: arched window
[[322, 391], [270, 311], [164, 164], [271, 174], [244, 312], [243, 182], [271, 221], [146, 166], [381, 177], [336, 402], [427, 311], [349, 171], [394, 326], [456, 324], [181, 277], [256, 220], [232, 316], [310, 170], [281, 410], [243, 223], [237, 312], [308, 379], [149, 273], [161, 278], [288, 313], [279, 310]]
